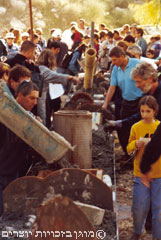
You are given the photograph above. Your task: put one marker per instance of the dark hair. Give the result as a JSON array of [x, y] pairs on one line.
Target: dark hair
[[151, 51], [129, 39], [73, 28], [102, 25], [17, 72], [31, 30], [86, 37], [123, 44], [110, 34], [27, 45], [151, 102], [96, 36], [54, 44], [81, 48], [36, 36], [102, 33], [25, 87], [140, 31], [115, 31], [117, 52]]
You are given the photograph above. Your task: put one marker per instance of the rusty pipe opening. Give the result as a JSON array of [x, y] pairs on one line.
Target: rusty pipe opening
[[91, 51]]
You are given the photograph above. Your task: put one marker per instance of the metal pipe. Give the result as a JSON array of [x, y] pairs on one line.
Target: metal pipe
[[31, 22], [92, 35], [90, 57]]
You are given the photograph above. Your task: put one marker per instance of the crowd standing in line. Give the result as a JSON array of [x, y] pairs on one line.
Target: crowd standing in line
[[134, 65]]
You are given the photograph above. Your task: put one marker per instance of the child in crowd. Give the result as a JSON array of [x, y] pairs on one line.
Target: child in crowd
[[147, 188]]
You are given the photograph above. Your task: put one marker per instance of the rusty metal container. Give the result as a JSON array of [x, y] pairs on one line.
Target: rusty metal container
[[76, 127]]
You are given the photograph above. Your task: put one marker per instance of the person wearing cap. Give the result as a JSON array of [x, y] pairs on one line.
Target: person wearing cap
[[50, 39], [12, 48], [42, 40], [25, 36]]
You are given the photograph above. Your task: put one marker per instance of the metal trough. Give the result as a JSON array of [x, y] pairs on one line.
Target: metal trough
[[48, 144]]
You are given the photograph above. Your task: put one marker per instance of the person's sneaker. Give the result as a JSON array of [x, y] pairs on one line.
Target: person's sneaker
[[135, 236]]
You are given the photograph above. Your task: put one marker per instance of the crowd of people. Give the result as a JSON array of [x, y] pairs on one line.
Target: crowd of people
[[134, 66]]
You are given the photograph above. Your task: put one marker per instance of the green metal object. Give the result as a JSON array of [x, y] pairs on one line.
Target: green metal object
[[48, 144]]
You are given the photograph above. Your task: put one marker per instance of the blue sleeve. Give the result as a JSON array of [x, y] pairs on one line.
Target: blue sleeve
[[143, 46], [73, 63], [114, 77]]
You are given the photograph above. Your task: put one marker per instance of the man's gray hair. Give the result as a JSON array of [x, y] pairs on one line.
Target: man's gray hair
[[145, 70], [135, 48]]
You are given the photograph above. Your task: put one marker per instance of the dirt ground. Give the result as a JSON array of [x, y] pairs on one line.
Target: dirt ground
[[106, 149]]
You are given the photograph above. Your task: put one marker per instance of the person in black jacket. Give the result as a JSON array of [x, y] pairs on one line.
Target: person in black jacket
[[25, 57], [152, 152], [14, 152]]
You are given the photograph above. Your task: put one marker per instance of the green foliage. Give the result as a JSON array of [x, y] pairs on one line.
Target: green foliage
[[59, 13], [149, 12]]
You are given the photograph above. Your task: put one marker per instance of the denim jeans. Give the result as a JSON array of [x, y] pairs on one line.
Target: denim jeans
[[4, 181], [142, 196]]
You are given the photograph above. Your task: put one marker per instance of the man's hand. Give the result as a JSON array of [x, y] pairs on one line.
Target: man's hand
[[75, 79], [104, 106], [109, 125]]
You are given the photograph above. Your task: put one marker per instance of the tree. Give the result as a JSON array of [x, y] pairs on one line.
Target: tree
[[59, 13], [149, 12]]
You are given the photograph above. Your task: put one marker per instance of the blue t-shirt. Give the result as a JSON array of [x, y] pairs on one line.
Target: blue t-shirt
[[123, 79]]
